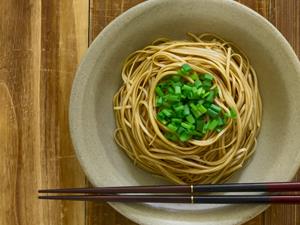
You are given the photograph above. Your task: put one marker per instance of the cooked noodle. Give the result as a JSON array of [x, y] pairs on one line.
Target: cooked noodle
[[217, 155]]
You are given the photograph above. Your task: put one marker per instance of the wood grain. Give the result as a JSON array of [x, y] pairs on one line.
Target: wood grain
[[64, 38], [41, 44]]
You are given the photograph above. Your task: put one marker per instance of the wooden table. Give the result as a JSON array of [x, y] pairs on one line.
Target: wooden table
[[41, 44]]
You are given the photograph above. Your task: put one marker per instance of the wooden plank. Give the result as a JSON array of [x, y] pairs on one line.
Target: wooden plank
[[102, 12], [41, 43], [64, 40], [20, 161]]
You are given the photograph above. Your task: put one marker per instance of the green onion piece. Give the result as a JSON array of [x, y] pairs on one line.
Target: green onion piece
[[200, 91], [176, 84], [201, 108], [200, 102], [159, 92], [170, 90], [176, 121], [163, 85], [172, 98], [181, 130], [205, 127], [210, 97], [205, 94], [190, 119], [186, 111], [207, 83], [159, 101], [186, 88], [212, 124], [215, 108], [196, 133], [208, 77], [176, 78], [199, 125], [221, 121], [206, 104], [171, 137], [197, 83], [172, 127], [184, 137], [212, 113], [233, 113], [186, 68], [177, 90], [179, 108], [167, 112], [187, 126], [195, 111], [194, 76]]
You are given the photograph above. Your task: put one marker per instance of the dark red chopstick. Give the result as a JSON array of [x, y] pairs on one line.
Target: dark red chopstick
[[206, 199], [230, 187]]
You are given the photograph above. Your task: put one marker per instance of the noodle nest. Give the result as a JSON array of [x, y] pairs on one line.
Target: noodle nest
[[215, 157]]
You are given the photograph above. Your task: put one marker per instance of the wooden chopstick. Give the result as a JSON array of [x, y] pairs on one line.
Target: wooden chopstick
[[204, 199], [230, 187]]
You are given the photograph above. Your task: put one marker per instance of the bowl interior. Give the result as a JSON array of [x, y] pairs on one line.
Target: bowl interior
[[98, 78]]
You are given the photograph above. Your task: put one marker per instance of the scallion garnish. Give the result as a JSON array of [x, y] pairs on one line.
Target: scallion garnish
[[188, 108]]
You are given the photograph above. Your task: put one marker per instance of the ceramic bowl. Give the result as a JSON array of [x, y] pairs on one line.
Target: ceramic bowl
[[92, 123]]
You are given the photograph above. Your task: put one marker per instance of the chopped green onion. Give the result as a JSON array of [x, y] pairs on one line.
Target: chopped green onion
[[194, 76], [159, 92], [208, 77], [190, 119], [215, 108], [200, 91], [172, 127], [176, 121], [187, 126], [176, 78], [167, 112], [197, 83], [186, 111], [171, 137], [212, 124], [212, 113], [172, 98], [199, 125], [186, 68], [201, 108], [205, 128], [195, 111], [207, 83], [220, 121], [210, 97], [159, 101], [179, 108], [184, 137], [186, 88], [233, 113], [170, 90], [177, 90], [206, 104]]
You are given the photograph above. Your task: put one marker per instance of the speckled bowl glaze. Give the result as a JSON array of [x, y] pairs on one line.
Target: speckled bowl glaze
[[91, 115]]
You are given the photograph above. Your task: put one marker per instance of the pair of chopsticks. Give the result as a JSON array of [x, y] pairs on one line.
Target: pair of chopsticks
[[182, 193]]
